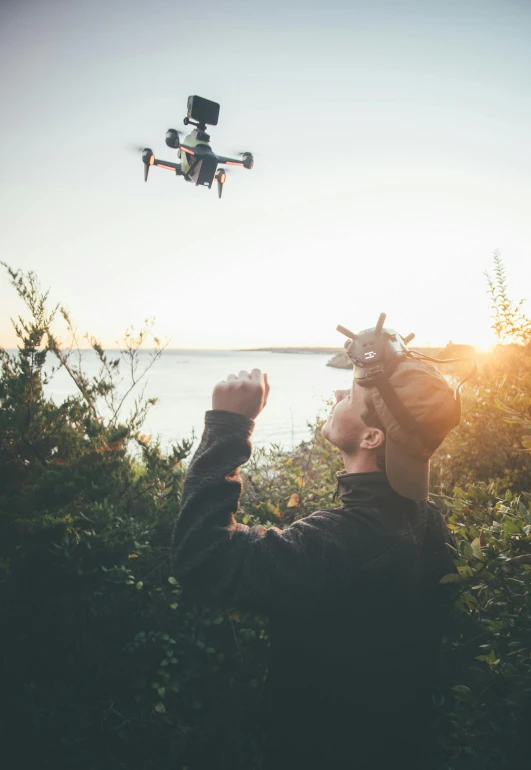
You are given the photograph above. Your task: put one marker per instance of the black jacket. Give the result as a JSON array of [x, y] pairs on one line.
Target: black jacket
[[353, 594]]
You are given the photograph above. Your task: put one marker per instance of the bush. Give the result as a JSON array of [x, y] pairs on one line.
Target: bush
[[487, 652], [490, 443], [103, 663], [487, 444]]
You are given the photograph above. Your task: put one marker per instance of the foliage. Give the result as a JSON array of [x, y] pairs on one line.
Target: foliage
[[487, 444], [509, 321], [280, 486], [487, 652], [104, 665], [492, 441]]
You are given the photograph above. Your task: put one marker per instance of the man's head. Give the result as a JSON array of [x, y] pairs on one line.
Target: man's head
[[364, 427], [353, 426]]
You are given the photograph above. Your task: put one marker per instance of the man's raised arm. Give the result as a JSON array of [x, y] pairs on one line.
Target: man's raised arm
[[216, 558]]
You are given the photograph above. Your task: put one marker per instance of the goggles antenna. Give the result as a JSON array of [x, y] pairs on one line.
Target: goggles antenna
[[379, 325]]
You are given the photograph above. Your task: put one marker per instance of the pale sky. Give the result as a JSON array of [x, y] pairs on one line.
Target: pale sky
[[391, 144]]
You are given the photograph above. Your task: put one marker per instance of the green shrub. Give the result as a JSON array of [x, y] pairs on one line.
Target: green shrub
[[490, 443], [103, 662], [487, 652], [487, 444]]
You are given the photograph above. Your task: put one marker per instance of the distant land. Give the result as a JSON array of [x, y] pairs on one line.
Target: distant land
[[329, 351], [340, 359]]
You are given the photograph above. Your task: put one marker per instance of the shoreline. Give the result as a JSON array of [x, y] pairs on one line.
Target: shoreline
[[324, 351]]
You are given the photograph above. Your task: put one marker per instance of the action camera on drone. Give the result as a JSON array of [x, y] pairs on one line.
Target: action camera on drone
[[202, 110]]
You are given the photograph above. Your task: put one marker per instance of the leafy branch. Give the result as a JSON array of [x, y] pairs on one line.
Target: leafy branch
[[509, 321]]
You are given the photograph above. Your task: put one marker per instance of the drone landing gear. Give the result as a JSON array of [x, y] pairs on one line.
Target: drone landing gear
[[148, 159], [221, 178]]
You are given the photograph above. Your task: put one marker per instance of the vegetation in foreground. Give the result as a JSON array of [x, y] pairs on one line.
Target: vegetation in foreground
[[105, 661]]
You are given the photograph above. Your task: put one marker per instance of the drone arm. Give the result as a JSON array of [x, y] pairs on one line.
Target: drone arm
[[170, 166], [230, 161]]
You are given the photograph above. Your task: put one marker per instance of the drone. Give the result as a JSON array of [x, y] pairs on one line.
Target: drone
[[199, 163]]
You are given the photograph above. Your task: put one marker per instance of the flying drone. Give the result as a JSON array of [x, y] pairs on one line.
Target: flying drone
[[197, 161]]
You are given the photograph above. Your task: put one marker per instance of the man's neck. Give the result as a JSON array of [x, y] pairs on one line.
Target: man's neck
[[360, 463]]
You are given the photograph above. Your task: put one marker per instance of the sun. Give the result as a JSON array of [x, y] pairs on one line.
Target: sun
[[486, 347], [486, 343]]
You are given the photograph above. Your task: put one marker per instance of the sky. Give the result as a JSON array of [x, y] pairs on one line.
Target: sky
[[391, 145]]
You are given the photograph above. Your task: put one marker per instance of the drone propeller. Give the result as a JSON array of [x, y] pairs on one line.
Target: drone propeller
[[172, 138], [244, 152], [247, 157]]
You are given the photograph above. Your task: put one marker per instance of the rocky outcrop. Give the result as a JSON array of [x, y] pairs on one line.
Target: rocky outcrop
[[340, 361]]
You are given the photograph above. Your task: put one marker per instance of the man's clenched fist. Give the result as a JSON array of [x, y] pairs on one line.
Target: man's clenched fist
[[244, 394]]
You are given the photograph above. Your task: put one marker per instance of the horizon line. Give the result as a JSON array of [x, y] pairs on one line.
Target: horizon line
[[253, 349]]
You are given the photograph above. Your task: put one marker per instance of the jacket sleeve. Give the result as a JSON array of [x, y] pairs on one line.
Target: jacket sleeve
[[222, 561]]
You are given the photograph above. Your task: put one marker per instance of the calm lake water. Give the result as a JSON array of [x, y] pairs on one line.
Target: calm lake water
[[183, 380]]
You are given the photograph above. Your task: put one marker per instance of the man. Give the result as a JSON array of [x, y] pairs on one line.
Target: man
[[356, 608]]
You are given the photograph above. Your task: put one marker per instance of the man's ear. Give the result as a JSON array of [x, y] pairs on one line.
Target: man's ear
[[373, 438]]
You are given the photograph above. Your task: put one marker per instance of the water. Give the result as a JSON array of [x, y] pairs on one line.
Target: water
[[183, 381]]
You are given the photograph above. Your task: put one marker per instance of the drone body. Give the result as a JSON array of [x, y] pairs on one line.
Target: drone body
[[198, 163]]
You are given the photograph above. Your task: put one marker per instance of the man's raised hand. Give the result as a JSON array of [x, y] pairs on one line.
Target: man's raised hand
[[244, 394]]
